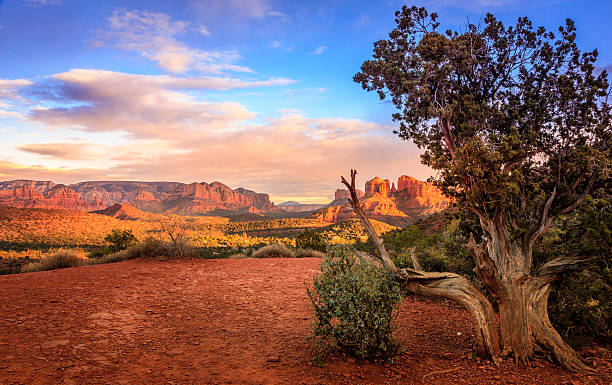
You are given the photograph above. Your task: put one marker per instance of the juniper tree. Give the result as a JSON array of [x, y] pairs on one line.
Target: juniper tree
[[517, 123]]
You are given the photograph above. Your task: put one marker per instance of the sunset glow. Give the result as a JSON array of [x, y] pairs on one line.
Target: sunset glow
[[252, 93]]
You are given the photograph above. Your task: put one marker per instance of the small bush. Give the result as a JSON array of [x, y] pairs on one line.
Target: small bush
[[580, 307], [310, 239], [120, 240], [308, 253], [355, 307], [274, 251], [237, 256], [178, 249], [119, 256], [58, 260]]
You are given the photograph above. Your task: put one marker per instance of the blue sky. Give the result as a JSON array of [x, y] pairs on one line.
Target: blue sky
[[253, 93]]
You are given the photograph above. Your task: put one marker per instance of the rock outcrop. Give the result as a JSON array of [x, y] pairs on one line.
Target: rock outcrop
[[122, 211], [156, 197], [385, 202], [377, 185]]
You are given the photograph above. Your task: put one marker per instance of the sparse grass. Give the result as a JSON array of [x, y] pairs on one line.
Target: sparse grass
[[58, 260], [308, 253], [274, 251], [237, 256]]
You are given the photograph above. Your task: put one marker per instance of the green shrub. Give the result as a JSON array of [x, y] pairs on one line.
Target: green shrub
[[273, 251], [59, 260], [310, 239], [308, 253], [580, 307], [355, 307], [120, 239]]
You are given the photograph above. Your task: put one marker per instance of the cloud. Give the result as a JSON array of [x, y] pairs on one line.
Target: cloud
[[319, 50], [204, 31], [9, 94], [65, 150], [252, 8], [153, 36], [41, 3], [144, 106], [278, 44]]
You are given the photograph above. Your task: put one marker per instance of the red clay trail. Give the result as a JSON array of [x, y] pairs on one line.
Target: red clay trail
[[237, 321]]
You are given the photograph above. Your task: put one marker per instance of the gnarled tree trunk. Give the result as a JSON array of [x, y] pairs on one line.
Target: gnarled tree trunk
[[524, 328]]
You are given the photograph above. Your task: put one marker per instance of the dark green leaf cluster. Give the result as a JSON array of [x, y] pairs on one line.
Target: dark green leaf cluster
[[355, 306], [310, 239], [120, 240]]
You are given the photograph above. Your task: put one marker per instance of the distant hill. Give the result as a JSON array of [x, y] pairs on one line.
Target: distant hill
[[155, 197], [296, 207], [122, 211]]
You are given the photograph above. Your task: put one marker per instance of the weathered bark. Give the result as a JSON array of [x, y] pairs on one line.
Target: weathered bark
[[524, 326], [504, 267]]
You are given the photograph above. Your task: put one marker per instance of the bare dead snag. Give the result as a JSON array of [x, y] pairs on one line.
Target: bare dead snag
[[445, 285], [378, 242], [415, 260]]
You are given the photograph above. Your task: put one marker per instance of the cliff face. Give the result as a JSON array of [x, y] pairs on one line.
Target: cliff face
[[384, 201], [157, 197]]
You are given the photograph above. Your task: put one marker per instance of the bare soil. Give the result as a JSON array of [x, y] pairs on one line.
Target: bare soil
[[237, 321]]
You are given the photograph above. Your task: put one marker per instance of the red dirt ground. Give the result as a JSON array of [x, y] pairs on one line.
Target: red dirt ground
[[240, 321]]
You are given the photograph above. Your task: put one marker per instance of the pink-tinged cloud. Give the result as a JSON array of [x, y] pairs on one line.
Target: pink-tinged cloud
[[142, 105], [153, 35], [64, 150]]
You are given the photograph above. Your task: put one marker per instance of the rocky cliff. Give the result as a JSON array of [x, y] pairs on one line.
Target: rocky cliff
[[384, 201], [157, 197]]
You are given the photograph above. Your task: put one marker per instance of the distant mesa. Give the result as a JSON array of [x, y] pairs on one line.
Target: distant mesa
[[154, 197], [290, 203], [297, 207]]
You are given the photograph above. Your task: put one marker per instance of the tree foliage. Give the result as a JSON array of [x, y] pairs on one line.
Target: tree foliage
[[517, 122], [510, 116]]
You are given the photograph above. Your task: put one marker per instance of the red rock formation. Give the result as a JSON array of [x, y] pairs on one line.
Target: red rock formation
[[413, 194], [58, 196], [148, 196], [333, 214], [63, 197], [397, 206], [22, 196], [345, 194], [377, 185]]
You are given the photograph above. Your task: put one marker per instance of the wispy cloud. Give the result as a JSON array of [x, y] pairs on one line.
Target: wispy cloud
[[319, 50], [154, 36], [9, 95], [43, 2], [278, 44], [64, 150], [204, 31]]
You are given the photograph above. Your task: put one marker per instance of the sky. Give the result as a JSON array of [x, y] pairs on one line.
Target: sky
[[252, 93]]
